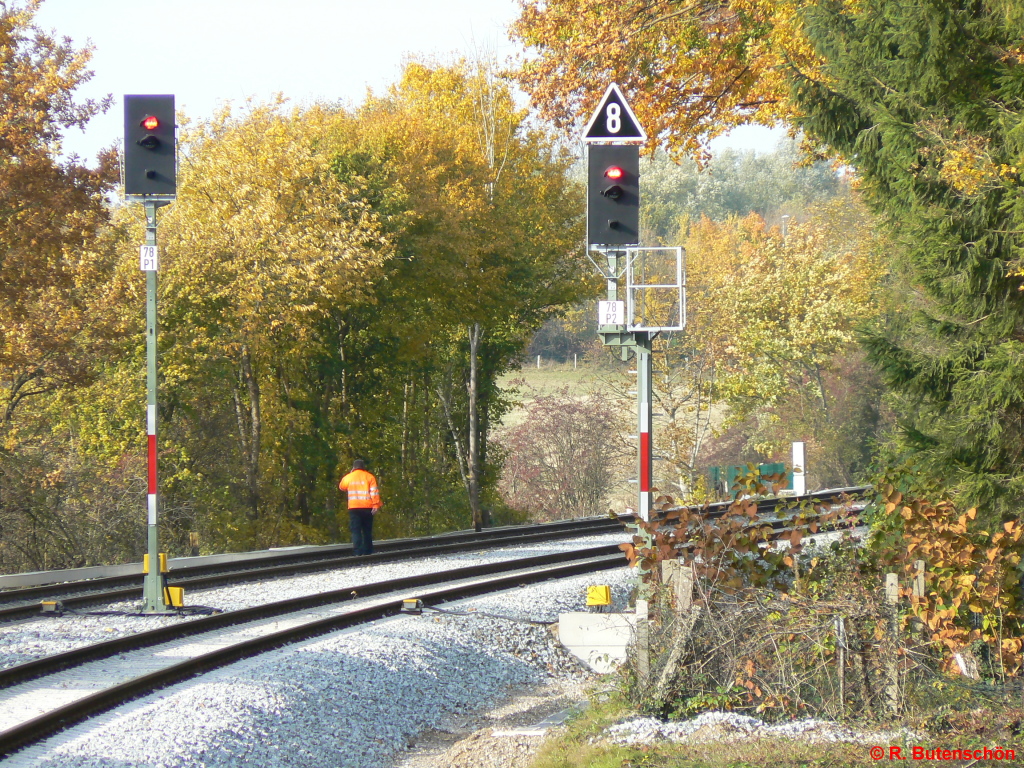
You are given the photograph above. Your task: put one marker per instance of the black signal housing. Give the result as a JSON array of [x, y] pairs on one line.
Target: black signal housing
[[613, 194], [150, 162]]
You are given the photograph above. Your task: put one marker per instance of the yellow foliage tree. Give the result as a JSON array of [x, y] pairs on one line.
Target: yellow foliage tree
[[692, 70], [51, 313], [496, 261], [768, 320], [263, 245], [49, 210]]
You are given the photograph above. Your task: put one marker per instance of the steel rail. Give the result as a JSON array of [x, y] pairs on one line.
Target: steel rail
[[293, 563], [331, 553], [57, 662], [31, 610], [558, 529], [38, 728]]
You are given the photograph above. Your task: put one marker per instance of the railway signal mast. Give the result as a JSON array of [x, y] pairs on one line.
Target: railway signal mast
[[655, 288], [150, 178]]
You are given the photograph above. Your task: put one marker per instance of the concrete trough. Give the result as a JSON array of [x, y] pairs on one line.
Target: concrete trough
[[599, 640]]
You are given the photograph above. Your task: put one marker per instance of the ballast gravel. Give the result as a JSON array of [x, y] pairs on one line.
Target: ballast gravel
[[730, 726], [29, 640], [353, 699]]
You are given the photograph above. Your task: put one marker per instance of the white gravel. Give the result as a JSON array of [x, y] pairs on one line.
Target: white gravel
[[356, 698], [730, 726], [25, 641]]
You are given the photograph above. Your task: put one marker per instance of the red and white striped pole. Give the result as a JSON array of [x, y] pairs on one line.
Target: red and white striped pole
[[644, 413], [151, 461]]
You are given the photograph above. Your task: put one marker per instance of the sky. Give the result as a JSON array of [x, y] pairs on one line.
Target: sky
[[207, 52]]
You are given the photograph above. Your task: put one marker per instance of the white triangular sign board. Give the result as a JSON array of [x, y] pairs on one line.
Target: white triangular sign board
[[614, 121]]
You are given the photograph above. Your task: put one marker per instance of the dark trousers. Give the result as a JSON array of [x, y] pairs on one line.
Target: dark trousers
[[360, 522]]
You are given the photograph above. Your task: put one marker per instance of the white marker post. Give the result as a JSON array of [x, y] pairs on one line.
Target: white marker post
[[799, 469]]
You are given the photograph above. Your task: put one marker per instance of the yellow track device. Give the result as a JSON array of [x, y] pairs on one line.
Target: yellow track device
[[174, 596], [163, 563], [599, 595], [413, 606]]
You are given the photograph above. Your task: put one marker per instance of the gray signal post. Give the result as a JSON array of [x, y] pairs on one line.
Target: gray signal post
[[153, 587], [613, 136], [150, 177]]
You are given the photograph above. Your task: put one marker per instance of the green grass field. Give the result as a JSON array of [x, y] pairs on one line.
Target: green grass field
[[552, 376]]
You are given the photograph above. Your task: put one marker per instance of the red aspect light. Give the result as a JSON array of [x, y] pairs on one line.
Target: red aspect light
[[150, 123], [615, 173]]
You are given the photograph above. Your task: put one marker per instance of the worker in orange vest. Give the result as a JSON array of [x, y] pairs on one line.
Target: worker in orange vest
[[363, 503]]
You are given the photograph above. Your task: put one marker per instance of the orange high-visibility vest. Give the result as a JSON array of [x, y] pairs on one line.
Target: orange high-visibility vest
[[362, 490]]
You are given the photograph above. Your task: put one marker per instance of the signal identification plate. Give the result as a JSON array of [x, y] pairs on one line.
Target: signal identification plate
[[148, 259], [611, 313]]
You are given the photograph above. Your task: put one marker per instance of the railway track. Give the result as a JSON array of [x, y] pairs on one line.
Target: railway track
[[23, 603], [306, 555], [22, 686], [37, 685]]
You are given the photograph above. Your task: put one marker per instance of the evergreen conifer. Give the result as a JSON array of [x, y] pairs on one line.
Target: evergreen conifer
[[926, 100]]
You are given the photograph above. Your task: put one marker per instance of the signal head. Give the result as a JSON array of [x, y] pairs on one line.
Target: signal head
[[150, 167], [613, 194]]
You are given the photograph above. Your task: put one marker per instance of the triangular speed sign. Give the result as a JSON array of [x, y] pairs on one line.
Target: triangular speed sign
[[614, 121]]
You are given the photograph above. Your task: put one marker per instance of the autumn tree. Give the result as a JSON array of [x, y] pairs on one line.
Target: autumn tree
[[264, 244], [787, 314], [51, 320], [260, 249], [265, 233], [49, 209], [692, 70], [769, 350], [565, 455], [483, 265]]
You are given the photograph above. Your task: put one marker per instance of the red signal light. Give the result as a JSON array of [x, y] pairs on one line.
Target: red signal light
[[150, 123], [615, 173]]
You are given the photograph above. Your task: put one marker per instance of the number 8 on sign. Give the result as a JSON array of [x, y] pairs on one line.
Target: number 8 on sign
[[613, 122], [613, 118]]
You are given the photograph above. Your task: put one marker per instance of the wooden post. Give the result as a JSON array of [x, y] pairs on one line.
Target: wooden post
[[679, 578], [918, 591], [892, 596], [919, 579], [643, 640], [841, 661]]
